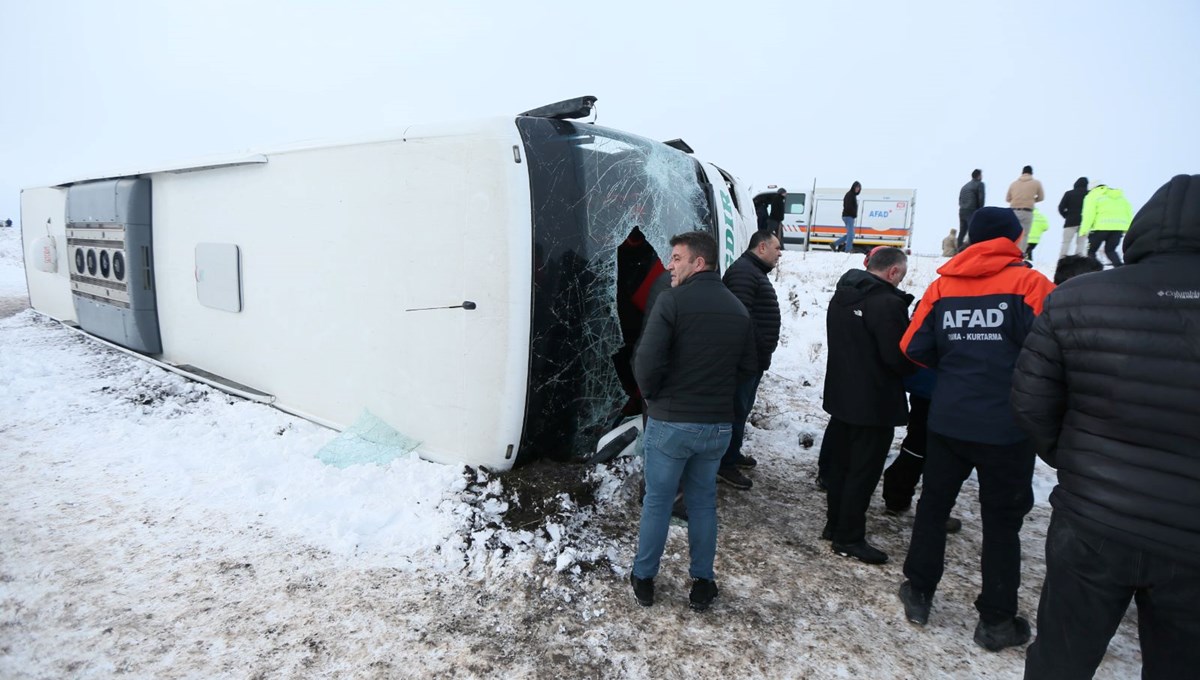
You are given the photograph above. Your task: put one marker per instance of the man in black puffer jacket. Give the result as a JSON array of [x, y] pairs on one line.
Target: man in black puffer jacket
[[747, 279], [864, 394], [1108, 387]]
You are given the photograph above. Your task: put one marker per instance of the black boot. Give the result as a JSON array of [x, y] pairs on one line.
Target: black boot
[[996, 636], [643, 589], [703, 593], [916, 604]]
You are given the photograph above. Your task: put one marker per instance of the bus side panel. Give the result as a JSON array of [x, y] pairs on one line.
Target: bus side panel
[[44, 212], [335, 245]]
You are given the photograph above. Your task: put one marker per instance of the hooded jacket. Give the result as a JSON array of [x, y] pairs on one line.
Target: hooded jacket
[[864, 377], [1071, 205], [696, 349], [850, 201], [1105, 209], [1108, 385], [747, 279], [1024, 192], [970, 326]]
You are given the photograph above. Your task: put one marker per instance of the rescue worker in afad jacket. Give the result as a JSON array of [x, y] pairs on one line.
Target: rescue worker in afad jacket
[[969, 327]]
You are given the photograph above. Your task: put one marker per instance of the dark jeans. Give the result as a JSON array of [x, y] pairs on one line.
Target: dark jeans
[[1110, 240], [901, 477], [964, 221], [1089, 582], [1029, 250], [1005, 496], [856, 462], [743, 402]]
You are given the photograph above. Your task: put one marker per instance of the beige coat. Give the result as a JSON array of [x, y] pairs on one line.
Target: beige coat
[[950, 245], [1024, 192]]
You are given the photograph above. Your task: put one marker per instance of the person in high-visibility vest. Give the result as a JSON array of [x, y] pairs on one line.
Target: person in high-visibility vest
[[1106, 217], [1036, 229]]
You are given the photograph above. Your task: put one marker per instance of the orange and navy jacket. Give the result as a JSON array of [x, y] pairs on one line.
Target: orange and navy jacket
[[970, 327]]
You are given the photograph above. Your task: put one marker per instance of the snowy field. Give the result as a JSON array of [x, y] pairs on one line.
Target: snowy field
[[155, 528]]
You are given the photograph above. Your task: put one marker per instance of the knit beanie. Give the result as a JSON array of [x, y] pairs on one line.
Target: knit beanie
[[989, 223]]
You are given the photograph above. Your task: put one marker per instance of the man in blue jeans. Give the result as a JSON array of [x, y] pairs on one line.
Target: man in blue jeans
[[849, 213], [697, 346]]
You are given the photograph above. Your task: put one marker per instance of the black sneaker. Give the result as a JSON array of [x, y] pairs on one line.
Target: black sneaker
[[643, 589], [953, 525], [734, 477], [916, 604], [744, 461], [703, 593], [861, 551], [827, 533], [996, 636]]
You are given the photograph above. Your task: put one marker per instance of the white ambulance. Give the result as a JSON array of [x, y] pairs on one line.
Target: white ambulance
[[885, 218]]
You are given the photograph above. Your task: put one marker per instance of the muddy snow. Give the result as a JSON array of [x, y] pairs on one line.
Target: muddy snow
[[153, 527]]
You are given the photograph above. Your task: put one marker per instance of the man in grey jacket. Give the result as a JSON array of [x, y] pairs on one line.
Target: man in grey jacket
[[698, 345], [970, 199]]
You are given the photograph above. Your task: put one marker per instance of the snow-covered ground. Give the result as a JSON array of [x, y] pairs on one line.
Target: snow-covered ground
[[153, 527]]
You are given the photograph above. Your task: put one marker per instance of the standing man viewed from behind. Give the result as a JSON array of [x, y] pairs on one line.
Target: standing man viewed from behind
[[970, 199], [1108, 386], [697, 347], [969, 327], [747, 279], [849, 214], [864, 394], [1022, 195], [1071, 209], [1106, 217]]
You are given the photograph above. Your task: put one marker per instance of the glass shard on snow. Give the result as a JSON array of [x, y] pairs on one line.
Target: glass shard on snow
[[368, 440]]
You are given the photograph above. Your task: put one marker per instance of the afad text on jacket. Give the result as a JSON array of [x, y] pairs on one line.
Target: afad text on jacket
[[970, 326]]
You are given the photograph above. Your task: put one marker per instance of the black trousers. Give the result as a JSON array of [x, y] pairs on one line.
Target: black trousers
[[1005, 496], [1110, 240], [1089, 582], [901, 477], [856, 462]]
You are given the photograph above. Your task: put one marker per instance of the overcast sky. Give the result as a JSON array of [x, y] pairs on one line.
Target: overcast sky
[[890, 94]]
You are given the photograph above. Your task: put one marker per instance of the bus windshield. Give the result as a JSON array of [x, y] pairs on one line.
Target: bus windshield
[[605, 205]]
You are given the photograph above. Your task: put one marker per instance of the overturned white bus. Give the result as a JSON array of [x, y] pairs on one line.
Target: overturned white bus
[[478, 286]]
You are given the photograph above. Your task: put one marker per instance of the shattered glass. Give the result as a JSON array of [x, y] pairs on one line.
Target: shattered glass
[[596, 193]]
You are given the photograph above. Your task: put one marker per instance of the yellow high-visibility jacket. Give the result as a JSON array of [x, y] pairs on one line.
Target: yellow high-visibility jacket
[[1105, 208], [1039, 226]]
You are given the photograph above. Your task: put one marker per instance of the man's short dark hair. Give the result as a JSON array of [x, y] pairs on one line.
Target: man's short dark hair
[[699, 244], [885, 257], [976, 173], [1074, 265], [1027, 170], [758, 237]]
